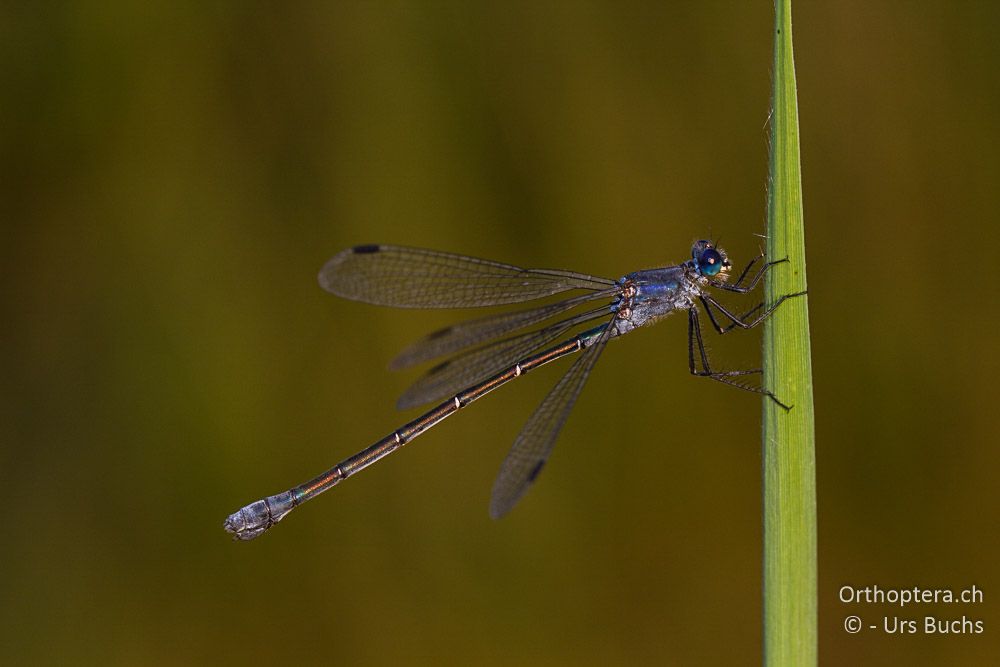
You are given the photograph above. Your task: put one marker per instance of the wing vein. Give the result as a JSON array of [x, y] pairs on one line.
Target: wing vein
[[534, 443], [415, 278]]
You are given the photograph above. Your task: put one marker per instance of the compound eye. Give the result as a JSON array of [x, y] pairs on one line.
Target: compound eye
[[710, 262]]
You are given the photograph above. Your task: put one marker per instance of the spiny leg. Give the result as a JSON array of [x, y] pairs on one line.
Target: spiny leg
[[753, 283], [738, 321], [694, 332], [746, 269], [694, 336], [741, 320], [725, 377], [724, 330]]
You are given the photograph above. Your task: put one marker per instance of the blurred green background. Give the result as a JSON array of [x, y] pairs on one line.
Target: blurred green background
[[174, 175]]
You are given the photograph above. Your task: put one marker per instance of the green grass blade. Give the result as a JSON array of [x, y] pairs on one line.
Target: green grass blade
[[789, 437]]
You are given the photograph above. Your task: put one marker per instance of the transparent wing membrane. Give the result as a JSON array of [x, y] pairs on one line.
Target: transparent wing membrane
[[535, 441], [413, 278], [450, 377], [473, 332]]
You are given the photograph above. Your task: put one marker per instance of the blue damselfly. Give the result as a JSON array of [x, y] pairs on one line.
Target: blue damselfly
[[488, 352]]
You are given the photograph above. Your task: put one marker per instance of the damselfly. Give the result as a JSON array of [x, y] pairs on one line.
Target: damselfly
[[488, 352]]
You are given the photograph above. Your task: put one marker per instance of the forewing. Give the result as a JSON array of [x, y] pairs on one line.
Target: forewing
[[413, 278]]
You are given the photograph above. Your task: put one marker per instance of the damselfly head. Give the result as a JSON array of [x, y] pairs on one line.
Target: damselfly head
[[710, 261]]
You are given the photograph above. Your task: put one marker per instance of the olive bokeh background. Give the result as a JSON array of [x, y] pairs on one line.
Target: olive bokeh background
[[175, 174]]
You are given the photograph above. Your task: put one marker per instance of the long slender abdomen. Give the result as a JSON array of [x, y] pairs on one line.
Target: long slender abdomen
[[257, 517]]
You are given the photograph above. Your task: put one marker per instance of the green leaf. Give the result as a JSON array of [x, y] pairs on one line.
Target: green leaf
[[788, 437]]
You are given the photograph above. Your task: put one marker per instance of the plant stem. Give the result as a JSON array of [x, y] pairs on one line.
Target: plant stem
[[788, 437]]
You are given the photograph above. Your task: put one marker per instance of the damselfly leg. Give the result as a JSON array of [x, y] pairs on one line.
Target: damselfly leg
[[741, 321]]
